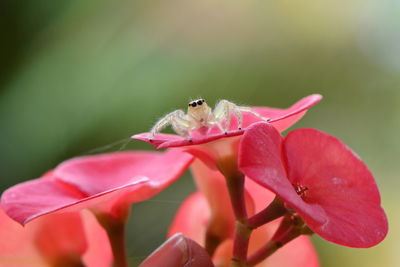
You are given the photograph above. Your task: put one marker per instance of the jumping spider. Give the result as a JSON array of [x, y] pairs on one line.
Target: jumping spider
[[199, 115]]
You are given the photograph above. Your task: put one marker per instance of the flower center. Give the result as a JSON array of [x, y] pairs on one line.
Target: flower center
[[300, 190]]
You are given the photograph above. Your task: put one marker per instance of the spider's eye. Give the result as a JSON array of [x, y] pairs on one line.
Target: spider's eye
[[203, 100], [194, 104], [199, 102]]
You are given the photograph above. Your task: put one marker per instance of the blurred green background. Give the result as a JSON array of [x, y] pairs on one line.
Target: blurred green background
[[79, 74]]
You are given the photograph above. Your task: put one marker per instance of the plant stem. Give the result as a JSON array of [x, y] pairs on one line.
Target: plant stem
[[274, 210], [212, 240], [235, 182], [290, 228], [115, 228], [264, 252], [242, 231], [241, 244], [244, 226]]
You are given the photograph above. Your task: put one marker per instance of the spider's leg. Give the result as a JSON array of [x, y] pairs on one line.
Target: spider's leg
[[178, 116], [219, 125], [249, 110], [238, 114], [222, 111], [181, 127]]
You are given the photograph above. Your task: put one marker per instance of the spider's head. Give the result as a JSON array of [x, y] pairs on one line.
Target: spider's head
[[197, 106]]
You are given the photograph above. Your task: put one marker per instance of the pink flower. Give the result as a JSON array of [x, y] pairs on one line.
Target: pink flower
[[218, 151], [281, 119], [320, 178], [106, 184], [70, 239], [193, 218]]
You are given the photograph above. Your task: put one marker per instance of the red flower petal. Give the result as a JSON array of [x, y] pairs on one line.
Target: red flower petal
[[280, 118], [52, 240], [192, 218], [212, 184], [261, 159], [29, 200], [98, 174], [105, 182], [340, 201], [16, 245], [340, 184], [98, 253]]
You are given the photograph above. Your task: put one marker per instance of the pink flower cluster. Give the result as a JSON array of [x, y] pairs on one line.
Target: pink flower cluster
[[259, 197]]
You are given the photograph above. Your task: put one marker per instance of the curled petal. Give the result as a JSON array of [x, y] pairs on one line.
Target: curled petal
[[283, 119], [106, 183], [99, 173], [171, 140], [46, 195], [279, 118]]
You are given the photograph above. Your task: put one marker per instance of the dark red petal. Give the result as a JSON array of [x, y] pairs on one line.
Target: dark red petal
[[281, 119], [260, 158], [339, 183], [340, 203], [178, 251]]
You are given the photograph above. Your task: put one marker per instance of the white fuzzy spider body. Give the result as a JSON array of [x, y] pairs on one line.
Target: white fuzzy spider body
[[199, 115]]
